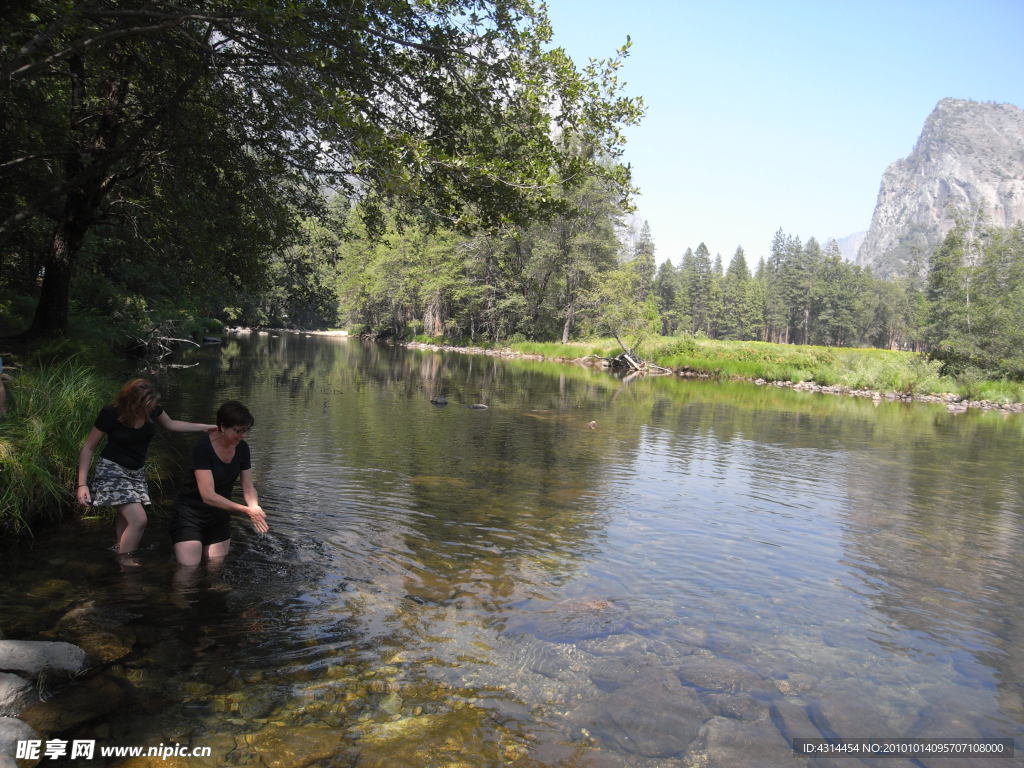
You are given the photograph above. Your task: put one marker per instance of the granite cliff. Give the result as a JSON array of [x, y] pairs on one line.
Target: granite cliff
[[969, 156]]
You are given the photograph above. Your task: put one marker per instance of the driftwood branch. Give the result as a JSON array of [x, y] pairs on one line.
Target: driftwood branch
[[636, 365], [629, 361], [158, 344], [183, 341]]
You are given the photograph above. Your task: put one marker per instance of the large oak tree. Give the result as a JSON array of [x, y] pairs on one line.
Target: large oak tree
[[457, 110]]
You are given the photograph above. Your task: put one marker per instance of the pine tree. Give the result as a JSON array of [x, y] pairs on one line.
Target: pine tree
[[643, 256], [736, 299], [684, 281], [949, 328], [716, 300], [701, 289], [665, 288], [776, 304], [806, 284]]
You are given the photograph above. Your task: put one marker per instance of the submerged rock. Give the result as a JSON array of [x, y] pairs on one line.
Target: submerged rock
[[736, 706], [713, 673], [858, 707], [256, 701], [654, 716], [792, 721], [391, 704], [75, 705], [575, 620], [294, 747], [451, 739], [727, 743], [104, 635]]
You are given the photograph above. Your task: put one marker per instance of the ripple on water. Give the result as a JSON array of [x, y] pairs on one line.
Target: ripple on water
[[692, 582], [572, 620]]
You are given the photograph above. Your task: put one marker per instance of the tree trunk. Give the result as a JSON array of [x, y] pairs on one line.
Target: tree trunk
[[567, 327], [51, 315], [433, 320], [87, 144]]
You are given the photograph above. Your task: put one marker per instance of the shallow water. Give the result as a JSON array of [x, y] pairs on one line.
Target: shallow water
[[588, 572]]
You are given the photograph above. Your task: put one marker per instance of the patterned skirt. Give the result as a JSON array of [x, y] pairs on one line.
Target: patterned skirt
[[114, 485]]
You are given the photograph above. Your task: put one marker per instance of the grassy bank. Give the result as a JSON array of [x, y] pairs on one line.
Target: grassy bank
[[881, 370], [49, 408]]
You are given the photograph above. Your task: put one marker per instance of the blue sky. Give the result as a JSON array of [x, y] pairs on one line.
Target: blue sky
[[785, 113]]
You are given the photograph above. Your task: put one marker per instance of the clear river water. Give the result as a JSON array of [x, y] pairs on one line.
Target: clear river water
[[588, 572]]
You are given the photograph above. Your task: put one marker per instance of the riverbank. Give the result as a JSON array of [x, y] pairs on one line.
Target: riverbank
[[876, 374], [917, 378], [272, 331]]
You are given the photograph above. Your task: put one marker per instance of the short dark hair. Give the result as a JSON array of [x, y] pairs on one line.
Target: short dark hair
[[234, 414]]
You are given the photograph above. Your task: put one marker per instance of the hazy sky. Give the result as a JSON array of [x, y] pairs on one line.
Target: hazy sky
[[784, 113]]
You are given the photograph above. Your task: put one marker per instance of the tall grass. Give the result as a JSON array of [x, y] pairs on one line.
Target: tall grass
[[50, 407], [855, 368], [572, 350]]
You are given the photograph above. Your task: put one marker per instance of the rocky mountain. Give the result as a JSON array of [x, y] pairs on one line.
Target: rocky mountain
[[970, 155], [850, 245]]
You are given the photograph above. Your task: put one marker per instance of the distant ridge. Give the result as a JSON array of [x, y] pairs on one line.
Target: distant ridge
[[850, 244], [969, 154]]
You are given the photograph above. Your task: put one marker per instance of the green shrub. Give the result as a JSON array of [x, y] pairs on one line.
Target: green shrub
[[423, 338], [676, 347], [195, 328], [1002, 391], [15, 311], [970, 383]]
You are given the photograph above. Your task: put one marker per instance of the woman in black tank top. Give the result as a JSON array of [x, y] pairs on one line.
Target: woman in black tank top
[[119, 479]]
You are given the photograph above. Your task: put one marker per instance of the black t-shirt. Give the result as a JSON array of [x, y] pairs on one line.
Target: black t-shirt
[[126, 445], [224, 475]]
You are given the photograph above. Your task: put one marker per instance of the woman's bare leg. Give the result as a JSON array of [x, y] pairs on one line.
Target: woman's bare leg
[[215, 554], [186, 576], [189, 554], [130, 525]]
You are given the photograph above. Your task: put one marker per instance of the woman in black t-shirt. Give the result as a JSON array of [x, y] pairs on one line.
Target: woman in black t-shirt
[[201, 526], [119, 479]]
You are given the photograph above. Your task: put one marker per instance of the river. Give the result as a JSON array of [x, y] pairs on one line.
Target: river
[[588, 572]]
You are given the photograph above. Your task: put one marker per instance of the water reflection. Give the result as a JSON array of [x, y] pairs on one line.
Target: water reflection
[[586, 573]]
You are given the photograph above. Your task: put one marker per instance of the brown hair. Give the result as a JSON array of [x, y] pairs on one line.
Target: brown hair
[[234, 414], [135, 401]]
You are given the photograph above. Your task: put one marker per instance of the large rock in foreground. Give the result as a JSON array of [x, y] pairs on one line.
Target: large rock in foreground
[[16, 694], [12, 731], [29, 658]]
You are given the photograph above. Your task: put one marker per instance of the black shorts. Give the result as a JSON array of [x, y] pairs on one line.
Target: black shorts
[[206, 525]]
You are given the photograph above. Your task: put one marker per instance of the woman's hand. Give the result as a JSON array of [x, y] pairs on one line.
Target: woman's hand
[[83, 496], [258, 518]]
